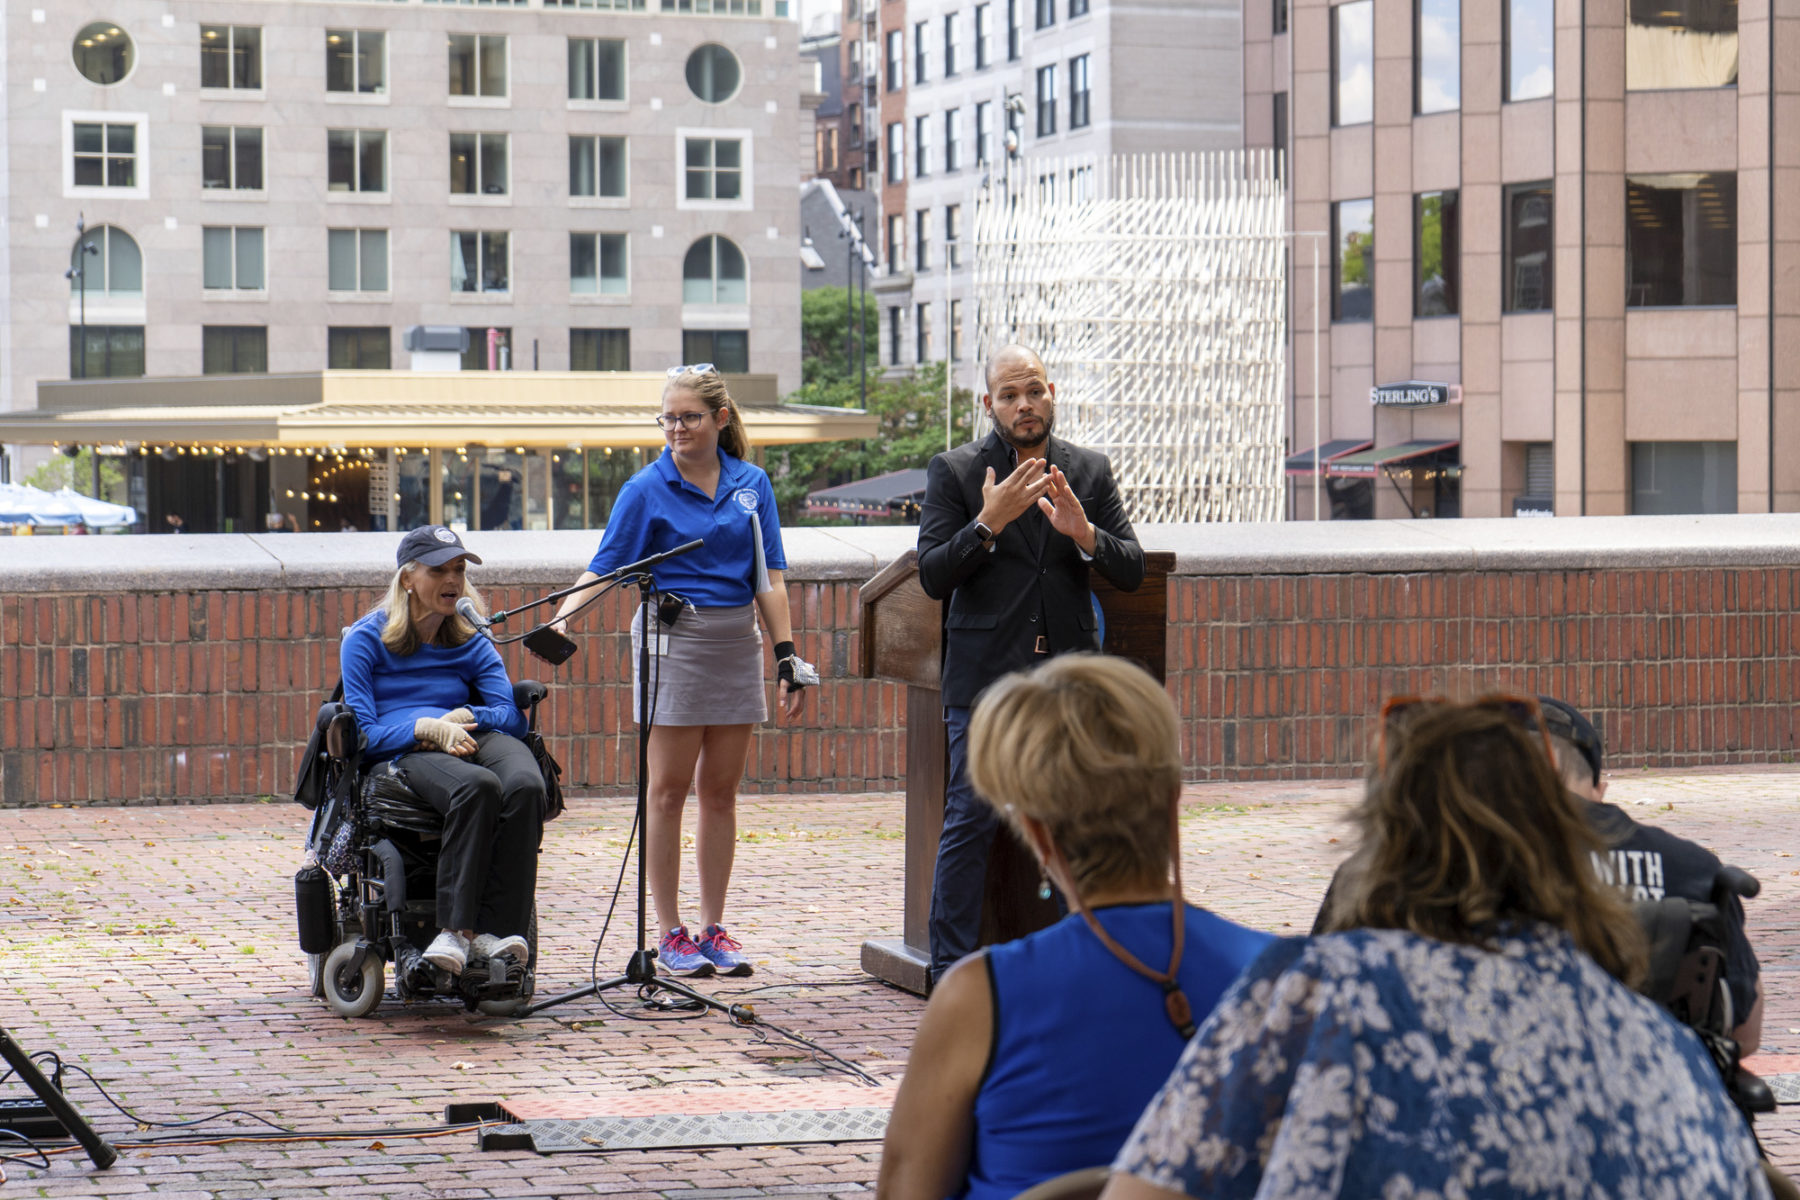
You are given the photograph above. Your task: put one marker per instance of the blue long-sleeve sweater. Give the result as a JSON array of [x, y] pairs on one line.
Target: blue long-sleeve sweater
[[389, 693]]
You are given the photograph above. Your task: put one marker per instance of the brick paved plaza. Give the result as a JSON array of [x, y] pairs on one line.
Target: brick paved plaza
[[155, 947]]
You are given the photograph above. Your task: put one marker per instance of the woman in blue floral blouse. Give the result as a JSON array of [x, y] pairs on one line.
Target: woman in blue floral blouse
[[1468, 1031]]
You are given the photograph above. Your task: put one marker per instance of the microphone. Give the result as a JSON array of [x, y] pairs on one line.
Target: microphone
[[465, 608]]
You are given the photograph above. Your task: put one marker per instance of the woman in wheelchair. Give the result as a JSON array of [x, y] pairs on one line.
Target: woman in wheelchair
[[433, 696]]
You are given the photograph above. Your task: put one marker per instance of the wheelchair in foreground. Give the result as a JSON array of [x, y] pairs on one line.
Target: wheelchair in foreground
[[370, 900]]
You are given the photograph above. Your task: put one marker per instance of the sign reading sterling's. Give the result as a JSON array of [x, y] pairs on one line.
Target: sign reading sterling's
[[1415, 394]]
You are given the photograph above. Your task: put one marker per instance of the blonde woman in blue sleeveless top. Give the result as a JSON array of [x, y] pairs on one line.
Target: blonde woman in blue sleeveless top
[[1034, 1058]]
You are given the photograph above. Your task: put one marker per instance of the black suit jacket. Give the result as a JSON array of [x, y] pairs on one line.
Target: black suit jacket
[[1033, 582]]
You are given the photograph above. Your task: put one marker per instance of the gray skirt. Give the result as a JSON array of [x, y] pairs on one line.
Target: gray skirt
[[706, 669]]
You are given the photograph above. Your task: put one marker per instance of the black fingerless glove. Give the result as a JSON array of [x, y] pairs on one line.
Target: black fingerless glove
[[784, 665]]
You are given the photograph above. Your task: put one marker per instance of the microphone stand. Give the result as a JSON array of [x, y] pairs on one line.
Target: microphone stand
[[640, 968], [624, 574]]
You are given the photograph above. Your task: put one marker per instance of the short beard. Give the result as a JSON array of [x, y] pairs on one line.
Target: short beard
[[1043, 435]]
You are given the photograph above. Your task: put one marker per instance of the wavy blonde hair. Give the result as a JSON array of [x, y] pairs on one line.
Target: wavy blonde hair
[[1087, 745], [401, 636], [709, 388], [1466, 826]]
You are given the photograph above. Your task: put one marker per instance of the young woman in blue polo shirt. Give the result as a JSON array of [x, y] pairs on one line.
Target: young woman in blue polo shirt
[[707, 666]]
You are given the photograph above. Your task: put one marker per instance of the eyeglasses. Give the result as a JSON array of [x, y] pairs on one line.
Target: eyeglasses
[[1524, 710], [687, 420], [696, 368]]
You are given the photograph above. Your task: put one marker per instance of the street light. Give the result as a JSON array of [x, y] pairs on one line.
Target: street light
[[78, 274]]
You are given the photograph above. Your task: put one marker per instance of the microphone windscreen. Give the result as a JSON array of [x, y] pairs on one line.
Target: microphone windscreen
[[465, 608]]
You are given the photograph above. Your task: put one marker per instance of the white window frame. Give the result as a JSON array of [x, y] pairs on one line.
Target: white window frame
[[483, 294], [601, 201], [984, 133], [953, 142], [141, 153], [698, 314], [921, 64], [357, 196], [262, 63], [478, 100], [922, 147], [896, 152], [953, 64], [600, 296], [984, 35], [481, 196], [747, 141], [234, 292], [356, 95], [618, 105], [232, 191], [368, 295]]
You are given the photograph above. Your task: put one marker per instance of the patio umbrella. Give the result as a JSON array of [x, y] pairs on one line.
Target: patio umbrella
[[98, 514], [21, 504]]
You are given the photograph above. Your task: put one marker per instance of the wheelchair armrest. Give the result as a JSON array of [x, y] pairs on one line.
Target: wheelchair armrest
[[343, 737], [327, 711], [1737, 882], [527, 693], [1752, 1093]]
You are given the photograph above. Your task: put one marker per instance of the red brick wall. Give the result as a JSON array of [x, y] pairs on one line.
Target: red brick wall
[[207, 695]]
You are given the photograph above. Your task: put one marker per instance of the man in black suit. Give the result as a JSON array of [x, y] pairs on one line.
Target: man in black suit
[[1010, 526]]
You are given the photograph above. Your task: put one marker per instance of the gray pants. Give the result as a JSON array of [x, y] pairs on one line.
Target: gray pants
[[492, 804]]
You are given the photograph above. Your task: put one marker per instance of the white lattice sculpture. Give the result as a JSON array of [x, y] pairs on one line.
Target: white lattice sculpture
[[1153, 287]]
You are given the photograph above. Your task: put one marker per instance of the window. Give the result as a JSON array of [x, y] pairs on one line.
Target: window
[[1015, 137], [479, 262], [359, 348], [234, 350], [1013, 24], [1279, 123], [596, 69], [114, 267], [984, 34], [1680, 239], [1353, 260], [896, 152], [715, 169], [1529, 44], [1081, 185], [726, 349], [475, 357], [713, 273], [1278, 19], [896, 60], [713, 73], [825, 149], [1670, 478], [1046, 13], [1046, 101], [104, 55], [921, 53], [896, 243], [600, 350], [478, 164], [1437, 254], [1353, 63], [105, 154], [597, 265], [922, 239], [1527, 253], [597, 166], [1080, 92], [478, 65], [952, 44], [1437, 55], [231, 258], [356, 160], [357, 260], [952, 235], [894, 335], [956, 333], [356, 61], [231, 157], [922, 333], [921, 147], [111, 352], [856, 125], [231, 56], [952, 140], [1681, 44], [984, 133]]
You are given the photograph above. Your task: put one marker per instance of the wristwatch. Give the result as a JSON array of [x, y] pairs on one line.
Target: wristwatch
[[983, 532]]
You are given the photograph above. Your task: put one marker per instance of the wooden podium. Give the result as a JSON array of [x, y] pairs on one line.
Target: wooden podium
[[903, 642]]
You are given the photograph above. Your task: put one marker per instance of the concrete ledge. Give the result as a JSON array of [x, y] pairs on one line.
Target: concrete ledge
[[279, 561]]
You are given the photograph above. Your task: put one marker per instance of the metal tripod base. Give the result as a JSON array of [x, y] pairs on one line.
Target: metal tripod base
[[640, 972]]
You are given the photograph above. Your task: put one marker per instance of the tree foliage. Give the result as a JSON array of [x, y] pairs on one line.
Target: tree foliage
[[908, 408], [78, 473]]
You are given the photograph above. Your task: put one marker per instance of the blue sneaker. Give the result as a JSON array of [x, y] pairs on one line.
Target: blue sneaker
[[723, 951], [679, 956]]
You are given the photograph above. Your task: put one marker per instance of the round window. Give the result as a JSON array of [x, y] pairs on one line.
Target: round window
[[103, 52], [713, 73]]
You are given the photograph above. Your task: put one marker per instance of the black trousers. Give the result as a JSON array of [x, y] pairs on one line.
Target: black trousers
[[493, 817]]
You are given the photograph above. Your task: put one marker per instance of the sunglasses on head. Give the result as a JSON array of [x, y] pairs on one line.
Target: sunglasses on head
[[696, 368], [1525, 711]]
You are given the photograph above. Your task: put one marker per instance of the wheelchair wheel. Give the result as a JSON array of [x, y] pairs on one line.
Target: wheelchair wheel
[[352, 994], [315, 975], [517, 1005]]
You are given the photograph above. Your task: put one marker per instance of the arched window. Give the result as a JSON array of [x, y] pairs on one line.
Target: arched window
[[115, 265], [713, 272]]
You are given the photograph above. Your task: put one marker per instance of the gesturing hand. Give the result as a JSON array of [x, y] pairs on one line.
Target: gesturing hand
[[1004, 502], [1065, 512]]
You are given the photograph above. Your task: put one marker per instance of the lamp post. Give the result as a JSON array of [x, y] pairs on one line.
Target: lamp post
[[78, 274]]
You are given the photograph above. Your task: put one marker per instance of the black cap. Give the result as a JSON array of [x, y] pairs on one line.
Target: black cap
[[432, 546], [1565, 721]]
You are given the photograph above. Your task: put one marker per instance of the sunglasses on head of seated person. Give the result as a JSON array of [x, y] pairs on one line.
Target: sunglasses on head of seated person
[[696, 368], [1523, 710]]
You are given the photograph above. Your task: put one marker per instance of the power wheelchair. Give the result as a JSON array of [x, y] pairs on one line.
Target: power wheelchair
[[370, 900]]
